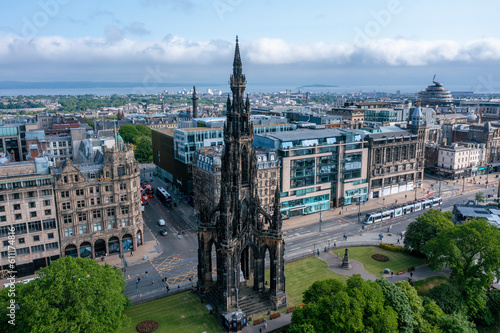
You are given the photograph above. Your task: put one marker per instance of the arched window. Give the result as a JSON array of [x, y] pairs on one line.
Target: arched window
[[121, 170], [107, 174]]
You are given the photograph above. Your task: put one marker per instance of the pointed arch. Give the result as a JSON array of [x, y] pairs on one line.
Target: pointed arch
[[244, 165]]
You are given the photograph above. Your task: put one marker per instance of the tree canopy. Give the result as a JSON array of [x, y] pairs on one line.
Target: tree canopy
[[129, 133], [143, 149], [472, 252], [425, 228], [71, 295], [336, 307]]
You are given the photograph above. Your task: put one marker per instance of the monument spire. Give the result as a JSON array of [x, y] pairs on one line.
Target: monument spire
[[195, 103]]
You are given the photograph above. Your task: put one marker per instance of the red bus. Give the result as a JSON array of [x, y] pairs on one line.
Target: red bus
[[149, 191]]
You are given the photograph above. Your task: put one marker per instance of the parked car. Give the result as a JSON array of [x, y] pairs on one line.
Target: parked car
[[161, 222], [163, 232]]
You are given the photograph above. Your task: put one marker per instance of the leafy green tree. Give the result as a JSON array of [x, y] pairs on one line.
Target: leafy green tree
[[71, 295], [480, 197], [357, 307], [144, 130], [144, 149], [456, 323], [432, 311], [448, 298], [304, 328], [426, 227], [323, 288], [472, 252], [129, 133], [416, 304], [396, 298], [90, 122]]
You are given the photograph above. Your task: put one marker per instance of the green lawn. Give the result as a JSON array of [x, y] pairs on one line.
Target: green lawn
[[301, 274], [177, 313], [397, 260]]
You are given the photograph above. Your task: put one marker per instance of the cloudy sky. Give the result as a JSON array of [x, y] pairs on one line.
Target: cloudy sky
[[379, 43]]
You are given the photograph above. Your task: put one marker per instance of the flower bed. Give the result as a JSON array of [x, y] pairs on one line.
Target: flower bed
[[147, 326], [380, 257]]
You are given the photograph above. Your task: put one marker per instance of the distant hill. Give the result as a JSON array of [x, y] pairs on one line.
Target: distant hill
[[318, 86]]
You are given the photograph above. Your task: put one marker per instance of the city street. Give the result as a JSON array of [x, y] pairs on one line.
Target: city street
[[179, 258]]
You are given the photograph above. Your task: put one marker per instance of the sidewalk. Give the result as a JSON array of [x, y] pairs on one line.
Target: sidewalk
[[150, 250]]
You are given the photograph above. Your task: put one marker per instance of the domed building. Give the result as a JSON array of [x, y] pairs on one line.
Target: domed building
[[435, 95]]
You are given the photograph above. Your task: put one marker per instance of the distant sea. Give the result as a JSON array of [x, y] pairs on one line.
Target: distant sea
[[110, 88]]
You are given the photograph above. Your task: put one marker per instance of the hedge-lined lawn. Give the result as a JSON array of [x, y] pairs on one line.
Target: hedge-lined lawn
[[176, 313], [301, 274], [397, 260], [423, 286]]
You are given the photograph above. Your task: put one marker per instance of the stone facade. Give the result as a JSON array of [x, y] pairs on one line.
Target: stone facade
[[239, 229], [99, 205], [207, 177], [27, 205]]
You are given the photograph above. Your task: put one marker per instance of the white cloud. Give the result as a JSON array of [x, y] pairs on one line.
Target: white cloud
[[89, 56], [175, 49]]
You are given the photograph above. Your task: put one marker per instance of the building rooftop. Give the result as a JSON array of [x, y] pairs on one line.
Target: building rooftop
[[302, 134]]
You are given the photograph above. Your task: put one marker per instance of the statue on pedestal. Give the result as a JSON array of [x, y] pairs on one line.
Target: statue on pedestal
[[345, 261]]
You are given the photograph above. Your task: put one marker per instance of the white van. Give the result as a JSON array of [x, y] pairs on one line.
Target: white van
[[161, 222]]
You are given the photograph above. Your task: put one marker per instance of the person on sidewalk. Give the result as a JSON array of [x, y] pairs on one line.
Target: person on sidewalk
[[392, 274]]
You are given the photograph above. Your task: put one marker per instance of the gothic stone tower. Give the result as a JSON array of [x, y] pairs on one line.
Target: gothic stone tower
[[195, 103], [238, 228]]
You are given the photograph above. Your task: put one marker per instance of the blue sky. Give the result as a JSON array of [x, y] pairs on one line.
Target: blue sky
[[391, 42]]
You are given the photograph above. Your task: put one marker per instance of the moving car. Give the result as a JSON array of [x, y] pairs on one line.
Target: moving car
[[161, 222], [163, 232]]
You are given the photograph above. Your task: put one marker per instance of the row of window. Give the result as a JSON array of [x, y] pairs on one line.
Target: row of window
[[31, 204], [25, 195], [25, 184], [22, 240], [19, 216], [93, 202], [120, 172], [36, 248], [96, 214], [35, 226], [96, 226]]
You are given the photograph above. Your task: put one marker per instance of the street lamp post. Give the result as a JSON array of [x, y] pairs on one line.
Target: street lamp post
[[439, 183], [320, 221], [487, 174], [415, 194], [359, 210]]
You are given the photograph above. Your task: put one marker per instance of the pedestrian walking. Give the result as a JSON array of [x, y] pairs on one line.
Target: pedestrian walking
[[265, 324], [131, 253], [345, 237], [398, 242], [411, 274], [318, 252], [152, 281], [146, 273], [334, 244], [260, 329], [138, 279], [392, 274], [390, 227]]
